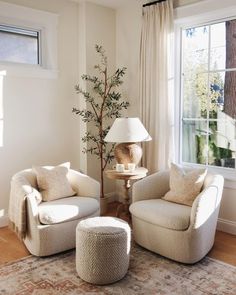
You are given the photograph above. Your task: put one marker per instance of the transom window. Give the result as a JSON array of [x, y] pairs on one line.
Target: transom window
[[19, 45], [209, 94]]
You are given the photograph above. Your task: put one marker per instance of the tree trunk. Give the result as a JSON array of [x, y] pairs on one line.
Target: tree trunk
[[101, 134], [102, 180], [230, 77]]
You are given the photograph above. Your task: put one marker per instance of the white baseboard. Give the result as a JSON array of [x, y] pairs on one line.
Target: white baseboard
[[226, 226], [4, 221]]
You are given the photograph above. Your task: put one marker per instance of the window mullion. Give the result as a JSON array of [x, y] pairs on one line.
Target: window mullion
[[208, 94]]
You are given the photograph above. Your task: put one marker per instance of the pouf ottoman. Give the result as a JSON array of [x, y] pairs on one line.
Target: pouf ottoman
[[102, 249]]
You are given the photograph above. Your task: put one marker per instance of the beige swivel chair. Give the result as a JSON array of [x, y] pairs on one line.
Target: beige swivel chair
[[182, 233], [50, 226]]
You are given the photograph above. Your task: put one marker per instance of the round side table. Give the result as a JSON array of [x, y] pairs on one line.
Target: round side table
[[138, 173]]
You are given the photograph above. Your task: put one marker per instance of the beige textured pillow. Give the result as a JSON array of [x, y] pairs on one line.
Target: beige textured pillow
[[184, 186], [53, 183]]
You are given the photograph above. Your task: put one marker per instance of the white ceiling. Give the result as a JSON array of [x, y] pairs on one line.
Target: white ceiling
[[114, 3], [110, 3], [119, 3]]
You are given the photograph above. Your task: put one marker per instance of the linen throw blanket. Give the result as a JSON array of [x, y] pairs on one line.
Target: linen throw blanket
[[20, 190]]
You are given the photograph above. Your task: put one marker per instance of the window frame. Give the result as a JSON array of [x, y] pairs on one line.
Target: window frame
[[39, 40], [196, 15], [46, 24]]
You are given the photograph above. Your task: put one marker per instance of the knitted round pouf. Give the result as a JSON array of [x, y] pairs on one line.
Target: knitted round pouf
[[102, 249]]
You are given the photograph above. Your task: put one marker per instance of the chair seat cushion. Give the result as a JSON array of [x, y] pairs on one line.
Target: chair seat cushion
[[67, 209], [162, 213]]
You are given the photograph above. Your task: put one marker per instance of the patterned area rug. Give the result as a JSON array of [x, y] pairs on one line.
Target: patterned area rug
[[148, 274]]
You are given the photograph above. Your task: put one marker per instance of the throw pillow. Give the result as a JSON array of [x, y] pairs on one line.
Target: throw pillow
[[53, 183], [184, 186]]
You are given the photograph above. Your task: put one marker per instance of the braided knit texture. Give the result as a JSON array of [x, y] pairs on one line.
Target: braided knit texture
[[102, 249]]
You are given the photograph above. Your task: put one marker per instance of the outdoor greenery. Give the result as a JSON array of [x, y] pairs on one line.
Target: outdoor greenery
[[104, 103], [203, 99]]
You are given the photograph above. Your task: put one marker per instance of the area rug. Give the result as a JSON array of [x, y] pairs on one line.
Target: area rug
[[149, 274]]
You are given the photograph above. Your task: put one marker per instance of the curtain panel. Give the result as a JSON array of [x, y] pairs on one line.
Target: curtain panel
[[156, 84]]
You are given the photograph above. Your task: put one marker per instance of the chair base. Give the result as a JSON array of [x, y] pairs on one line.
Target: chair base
[[45, 240], [183, 246]]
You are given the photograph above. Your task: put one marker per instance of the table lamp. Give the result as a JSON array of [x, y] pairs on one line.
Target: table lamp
[[126, 132]]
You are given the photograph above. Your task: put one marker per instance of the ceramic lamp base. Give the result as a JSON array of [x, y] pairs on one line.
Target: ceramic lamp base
[[128, 152]]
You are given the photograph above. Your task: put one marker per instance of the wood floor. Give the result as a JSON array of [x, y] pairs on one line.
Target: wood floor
[[11, 248], [224, 248]]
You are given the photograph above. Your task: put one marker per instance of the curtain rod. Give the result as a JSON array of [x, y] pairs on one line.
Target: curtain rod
[[152, 3]]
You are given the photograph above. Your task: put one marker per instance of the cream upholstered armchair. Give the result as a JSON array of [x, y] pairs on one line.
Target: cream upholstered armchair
[[49, 227], [180, 232]]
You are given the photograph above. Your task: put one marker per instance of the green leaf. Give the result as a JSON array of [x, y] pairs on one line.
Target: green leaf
[[105, 104]]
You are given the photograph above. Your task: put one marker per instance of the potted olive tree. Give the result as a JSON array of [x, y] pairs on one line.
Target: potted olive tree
[[104, 103]]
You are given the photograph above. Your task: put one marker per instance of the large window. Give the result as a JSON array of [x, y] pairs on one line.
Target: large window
[[209, 94]]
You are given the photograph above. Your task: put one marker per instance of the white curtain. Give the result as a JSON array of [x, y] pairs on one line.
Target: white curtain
[[156, 84]]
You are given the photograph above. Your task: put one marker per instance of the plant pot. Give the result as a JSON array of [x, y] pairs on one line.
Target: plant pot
[[103, 206]]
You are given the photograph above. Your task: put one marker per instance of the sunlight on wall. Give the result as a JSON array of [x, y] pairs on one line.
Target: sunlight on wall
[[2, 212], [2, 74]]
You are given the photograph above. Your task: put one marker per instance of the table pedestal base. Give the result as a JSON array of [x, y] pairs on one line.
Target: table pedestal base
[[125, 206], [127, 176]]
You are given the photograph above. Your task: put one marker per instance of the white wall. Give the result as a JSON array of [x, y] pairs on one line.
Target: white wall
[[128, 24], [97, 25], [101, 30], [39, 127], [178, 3], [128, 32]]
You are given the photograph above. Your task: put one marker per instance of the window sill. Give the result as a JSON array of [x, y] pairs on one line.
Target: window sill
[[27, 71], [229, 174]]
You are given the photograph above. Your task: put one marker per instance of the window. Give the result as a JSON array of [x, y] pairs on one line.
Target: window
[[28, 42], [19, 45], [208, 94]]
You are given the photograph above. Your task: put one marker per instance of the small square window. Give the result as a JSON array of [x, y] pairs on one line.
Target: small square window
[[19, 45]]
